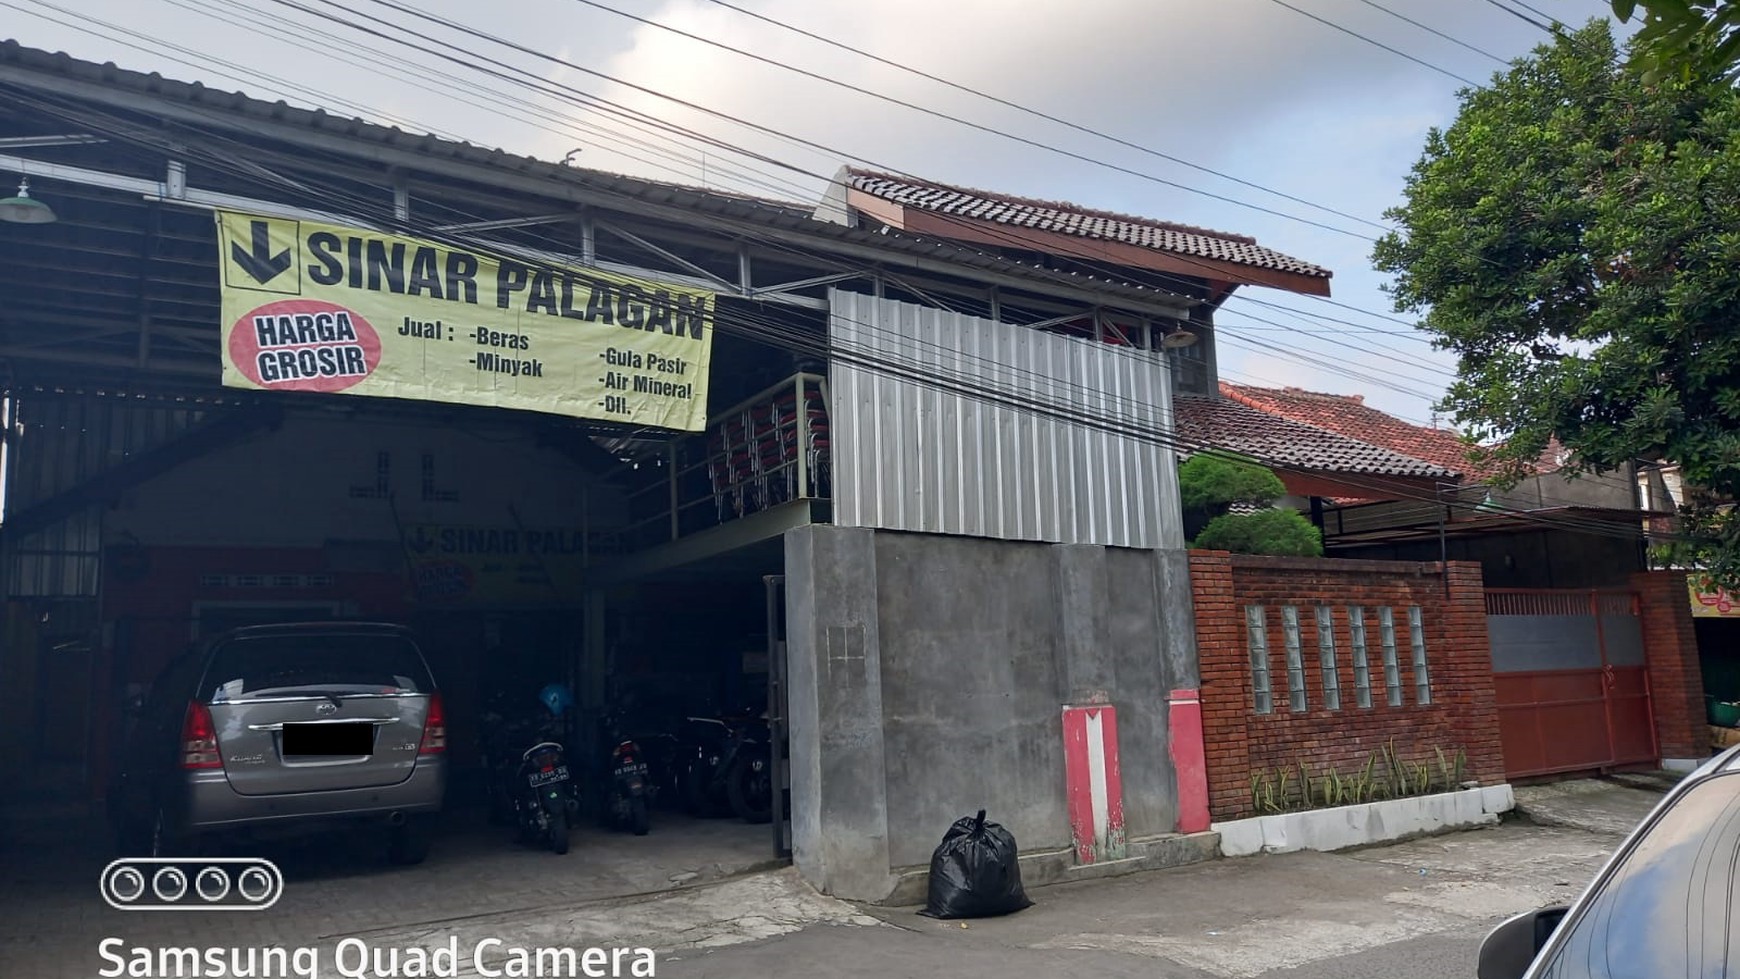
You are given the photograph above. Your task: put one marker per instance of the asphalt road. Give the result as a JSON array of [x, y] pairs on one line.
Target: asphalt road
[[1414, 910], [856, 953]]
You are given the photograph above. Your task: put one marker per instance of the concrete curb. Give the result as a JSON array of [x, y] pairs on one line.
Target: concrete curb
[[1347, 827], [1042, 868]]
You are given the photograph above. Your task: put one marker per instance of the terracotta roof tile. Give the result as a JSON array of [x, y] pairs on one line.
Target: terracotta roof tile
[[1237, 427], [1348, 415], [1073, 219]]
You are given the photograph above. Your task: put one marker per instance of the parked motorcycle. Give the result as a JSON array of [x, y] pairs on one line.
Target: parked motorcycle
[[531, 788], [547, 806], [727, 766], [628, 792]]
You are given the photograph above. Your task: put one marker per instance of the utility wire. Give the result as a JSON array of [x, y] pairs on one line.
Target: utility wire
[[783, 335], [1433, 30], [500, 104], [981, 127], [1399, 53], [1333, 368], [481, 35], [1525, 18], [1129, 144], [1364, 378], [1549, 18]]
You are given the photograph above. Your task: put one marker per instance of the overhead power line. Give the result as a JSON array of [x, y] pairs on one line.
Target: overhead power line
[[1525, 18], [1410, 388], [1433, 30], [1010, 104], [1335, 367], [1155, 279], [980, 127], [780, 334], [1373, 41]]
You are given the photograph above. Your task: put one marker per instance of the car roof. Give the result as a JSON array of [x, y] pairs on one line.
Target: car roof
[[1724, 763], [318, 629]]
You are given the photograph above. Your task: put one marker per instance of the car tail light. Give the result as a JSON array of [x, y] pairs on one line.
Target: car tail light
[[199, 747], [434, 728]]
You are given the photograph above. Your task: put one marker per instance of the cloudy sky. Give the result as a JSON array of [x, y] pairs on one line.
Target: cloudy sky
[[1249, 88]]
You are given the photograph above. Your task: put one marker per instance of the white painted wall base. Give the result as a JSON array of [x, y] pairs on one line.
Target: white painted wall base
[[1372, 822]]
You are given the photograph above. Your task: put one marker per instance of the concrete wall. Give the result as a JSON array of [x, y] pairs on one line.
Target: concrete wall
[[927, 677]]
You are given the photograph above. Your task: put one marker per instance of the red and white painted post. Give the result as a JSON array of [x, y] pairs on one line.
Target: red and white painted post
[[1189, 760], [1095, 790]]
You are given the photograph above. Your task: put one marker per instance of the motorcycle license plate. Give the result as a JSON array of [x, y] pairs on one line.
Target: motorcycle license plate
[[557, 774], [638, 768]]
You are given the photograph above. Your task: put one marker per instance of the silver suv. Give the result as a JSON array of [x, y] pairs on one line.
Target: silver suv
[[286, 726], [1666, 906]]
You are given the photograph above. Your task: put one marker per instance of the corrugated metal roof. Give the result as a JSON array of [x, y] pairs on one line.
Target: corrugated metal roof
[[46, 71], [1073, 219]]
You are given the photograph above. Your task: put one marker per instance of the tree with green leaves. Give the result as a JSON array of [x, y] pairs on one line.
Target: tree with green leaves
[[1684, 38], [1211, 484], [1574, 237]]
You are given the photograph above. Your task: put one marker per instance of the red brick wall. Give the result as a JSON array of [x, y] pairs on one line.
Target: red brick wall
[[1670, 645], [1240, 742]]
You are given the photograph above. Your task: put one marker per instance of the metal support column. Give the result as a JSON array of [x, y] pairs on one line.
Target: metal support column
[[801, 418]]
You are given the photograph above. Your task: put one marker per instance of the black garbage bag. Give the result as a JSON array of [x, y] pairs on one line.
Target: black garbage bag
[[975, 872]]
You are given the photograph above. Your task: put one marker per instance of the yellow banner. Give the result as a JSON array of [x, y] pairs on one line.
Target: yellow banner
[[1717, 604], [315, 307]]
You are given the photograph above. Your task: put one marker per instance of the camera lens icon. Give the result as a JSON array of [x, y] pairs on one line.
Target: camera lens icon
[[213, 884], [191, 884], [256, 885], [169, 884], [127, 884]]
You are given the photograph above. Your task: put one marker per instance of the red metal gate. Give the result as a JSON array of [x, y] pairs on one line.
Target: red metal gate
[[1572, 683]]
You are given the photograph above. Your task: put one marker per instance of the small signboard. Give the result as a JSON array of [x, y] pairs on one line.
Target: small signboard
[[1714, 603]]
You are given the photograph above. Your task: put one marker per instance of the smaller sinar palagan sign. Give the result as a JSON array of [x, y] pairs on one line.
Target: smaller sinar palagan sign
[[316, 307], [1712, 603]]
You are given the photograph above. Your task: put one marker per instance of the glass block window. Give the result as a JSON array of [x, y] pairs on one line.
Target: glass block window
[[1258, 640], [1326, 657], [1361, 664], [1392, 669], [1417, 640], [1296, 700]]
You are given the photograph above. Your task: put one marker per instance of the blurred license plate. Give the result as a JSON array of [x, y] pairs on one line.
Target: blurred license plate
[[638, 768], [557, 774], [328, 740]]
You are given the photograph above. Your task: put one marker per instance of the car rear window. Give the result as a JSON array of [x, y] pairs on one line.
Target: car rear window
[[314, 665], [1671, 910]]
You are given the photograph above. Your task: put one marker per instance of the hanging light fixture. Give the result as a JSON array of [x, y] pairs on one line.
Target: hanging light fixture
[[25, 209], [1178, 339]]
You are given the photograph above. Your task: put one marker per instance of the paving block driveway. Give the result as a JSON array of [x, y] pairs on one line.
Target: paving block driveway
[[52, 918]]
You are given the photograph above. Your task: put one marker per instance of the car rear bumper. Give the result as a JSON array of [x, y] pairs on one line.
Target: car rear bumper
[[213, 805]]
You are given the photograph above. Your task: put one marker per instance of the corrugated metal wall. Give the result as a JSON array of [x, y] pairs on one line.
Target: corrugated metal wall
[[935, 458], [65, 440]]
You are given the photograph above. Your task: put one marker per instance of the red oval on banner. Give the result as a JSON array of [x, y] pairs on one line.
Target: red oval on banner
[[304, 345]]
